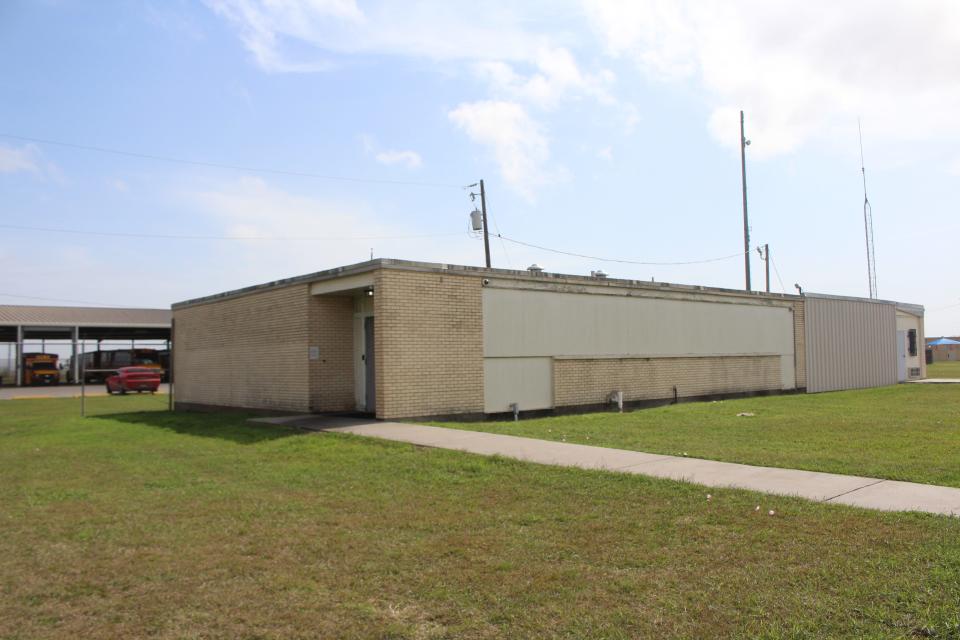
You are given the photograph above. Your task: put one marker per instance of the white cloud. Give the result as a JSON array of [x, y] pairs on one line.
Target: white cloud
[[321, 233], [408, 159], [268, 28], [520, 66], [802, 70], [516, 140], [558, 76], [13, 160], [301, 35]]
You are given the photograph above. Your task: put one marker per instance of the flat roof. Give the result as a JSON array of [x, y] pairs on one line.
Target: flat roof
[[410, 265], [40, 316], [103, 323]]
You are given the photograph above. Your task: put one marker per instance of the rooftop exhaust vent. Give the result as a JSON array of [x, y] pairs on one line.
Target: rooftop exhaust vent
[[535, 269], [598, 274]]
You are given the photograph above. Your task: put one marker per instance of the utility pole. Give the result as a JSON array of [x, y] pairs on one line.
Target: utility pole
[[486, 233], [764, 252], [746, 224], [766, 261]]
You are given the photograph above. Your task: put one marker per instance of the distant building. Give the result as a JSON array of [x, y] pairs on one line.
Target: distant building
[[71, 329], [944, 351]]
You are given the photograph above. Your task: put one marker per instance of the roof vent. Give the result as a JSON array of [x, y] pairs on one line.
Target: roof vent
[[535, 269], [598, 274]]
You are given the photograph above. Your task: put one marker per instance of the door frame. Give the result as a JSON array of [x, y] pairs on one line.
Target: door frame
[[359, 363]]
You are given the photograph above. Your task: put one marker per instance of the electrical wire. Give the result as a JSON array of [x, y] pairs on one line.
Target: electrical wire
[[220, 165], [162, 236], [503, 245], [777, 271], [617, 260], [949, 306]]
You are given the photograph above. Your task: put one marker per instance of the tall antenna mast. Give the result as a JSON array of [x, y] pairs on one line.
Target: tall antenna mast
[[868, 223]]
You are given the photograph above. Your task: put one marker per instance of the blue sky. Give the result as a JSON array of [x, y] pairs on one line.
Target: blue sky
[[601, 128]]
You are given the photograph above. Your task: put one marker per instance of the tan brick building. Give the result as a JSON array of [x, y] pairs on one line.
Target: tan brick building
[[405, 339]]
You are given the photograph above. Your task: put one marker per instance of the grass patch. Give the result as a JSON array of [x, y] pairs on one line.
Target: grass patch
[[148, 524], [904, 432], [944, 369]]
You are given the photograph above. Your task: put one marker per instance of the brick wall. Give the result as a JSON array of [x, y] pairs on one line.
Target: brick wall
[[585, 381], [249, 351], [800, 343], [429, 344], [331, 332]]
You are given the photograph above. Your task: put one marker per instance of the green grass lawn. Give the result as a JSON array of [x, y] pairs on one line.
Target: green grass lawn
[[905, 432], [148, 524], [944, 369]]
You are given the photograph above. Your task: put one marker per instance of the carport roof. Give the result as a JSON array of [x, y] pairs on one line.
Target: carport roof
[[39, 316]]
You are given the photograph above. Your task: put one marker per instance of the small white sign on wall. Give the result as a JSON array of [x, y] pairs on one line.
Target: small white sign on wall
[[313, 353]]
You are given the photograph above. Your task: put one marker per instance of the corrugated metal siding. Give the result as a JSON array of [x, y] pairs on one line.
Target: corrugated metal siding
[[799, 345], [850, 344]]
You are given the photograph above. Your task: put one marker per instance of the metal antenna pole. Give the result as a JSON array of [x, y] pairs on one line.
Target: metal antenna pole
[[868, 224], [486, 233], [746, 223]]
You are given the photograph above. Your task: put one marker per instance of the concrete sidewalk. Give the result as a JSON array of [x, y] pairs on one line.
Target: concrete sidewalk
[[871, 493]]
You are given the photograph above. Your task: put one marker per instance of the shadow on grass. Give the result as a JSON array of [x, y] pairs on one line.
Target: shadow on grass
[[226, 426]]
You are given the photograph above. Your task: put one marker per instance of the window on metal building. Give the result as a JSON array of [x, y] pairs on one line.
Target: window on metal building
[[912, 342]]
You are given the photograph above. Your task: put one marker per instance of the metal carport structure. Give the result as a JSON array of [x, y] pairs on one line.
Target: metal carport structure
[[19, 323]]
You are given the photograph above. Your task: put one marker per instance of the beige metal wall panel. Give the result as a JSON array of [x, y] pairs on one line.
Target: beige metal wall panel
[[526, 381], [530, 323], [850, 344]]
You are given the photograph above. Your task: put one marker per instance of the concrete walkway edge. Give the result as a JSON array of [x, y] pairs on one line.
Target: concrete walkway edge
[[871, 493]]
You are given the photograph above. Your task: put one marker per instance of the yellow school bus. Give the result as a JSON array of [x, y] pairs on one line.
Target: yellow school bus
[[40, 368]]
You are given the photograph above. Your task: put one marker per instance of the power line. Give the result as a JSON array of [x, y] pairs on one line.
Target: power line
[[219, 165], [949, 306], [617, 260], [163, 236], [779, 279]]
